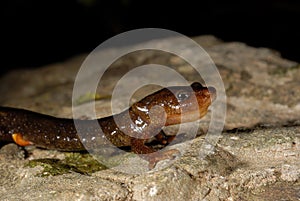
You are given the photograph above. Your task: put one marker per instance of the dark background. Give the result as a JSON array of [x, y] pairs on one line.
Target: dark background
[[39, 32]]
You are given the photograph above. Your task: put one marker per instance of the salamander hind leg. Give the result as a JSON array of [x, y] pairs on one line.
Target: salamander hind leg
[[19, 140], [151, 155]]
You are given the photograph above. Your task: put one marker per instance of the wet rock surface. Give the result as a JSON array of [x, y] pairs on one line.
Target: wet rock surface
[[257, 157]]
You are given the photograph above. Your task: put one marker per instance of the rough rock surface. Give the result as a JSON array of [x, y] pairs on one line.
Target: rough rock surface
[[256, 158]]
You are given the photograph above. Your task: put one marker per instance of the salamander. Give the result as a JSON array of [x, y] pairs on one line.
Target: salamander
[[130, 128]]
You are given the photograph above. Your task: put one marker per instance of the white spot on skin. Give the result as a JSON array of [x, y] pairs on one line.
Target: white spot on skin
[[139, 121], [153, 191], [143, 109], [138, 128], [175, 107]]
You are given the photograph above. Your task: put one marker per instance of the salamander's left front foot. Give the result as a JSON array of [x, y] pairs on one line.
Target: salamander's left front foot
[[155, 157], [150, 154]]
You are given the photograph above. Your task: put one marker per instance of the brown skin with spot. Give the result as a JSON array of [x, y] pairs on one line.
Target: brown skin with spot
[[143, 120]]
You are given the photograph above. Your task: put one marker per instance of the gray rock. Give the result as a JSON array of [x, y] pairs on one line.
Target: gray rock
[[256, 158]]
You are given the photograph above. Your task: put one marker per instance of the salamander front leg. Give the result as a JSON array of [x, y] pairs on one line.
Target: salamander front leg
[[152, 156]]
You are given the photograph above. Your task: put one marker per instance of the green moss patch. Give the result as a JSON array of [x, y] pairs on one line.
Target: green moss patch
[[73, 162]]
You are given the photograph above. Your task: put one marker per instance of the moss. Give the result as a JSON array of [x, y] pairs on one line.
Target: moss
[[73, 162], [84, 163], [88, 97]]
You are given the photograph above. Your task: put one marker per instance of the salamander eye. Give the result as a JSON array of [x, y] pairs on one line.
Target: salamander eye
[[181, 96]]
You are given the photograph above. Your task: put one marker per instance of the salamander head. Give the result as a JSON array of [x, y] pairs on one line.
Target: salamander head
[[181, 103]]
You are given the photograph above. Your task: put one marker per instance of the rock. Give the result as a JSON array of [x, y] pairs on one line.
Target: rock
[[256, 157]]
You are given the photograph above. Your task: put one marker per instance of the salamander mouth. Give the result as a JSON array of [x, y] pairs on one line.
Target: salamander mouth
[[192, 114], [186, 117], [212, 93]]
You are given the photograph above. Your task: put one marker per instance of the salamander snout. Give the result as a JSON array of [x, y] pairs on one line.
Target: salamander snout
[[207, 91], [213, 93]]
